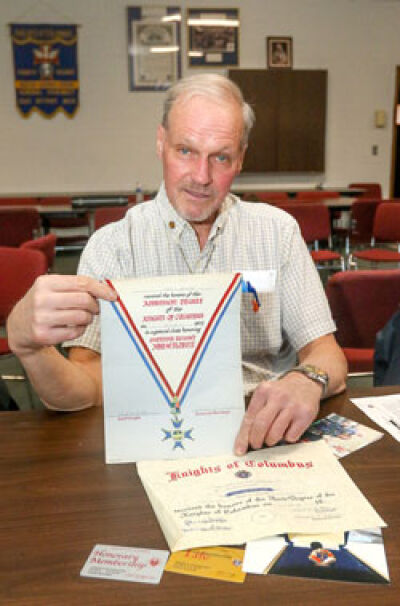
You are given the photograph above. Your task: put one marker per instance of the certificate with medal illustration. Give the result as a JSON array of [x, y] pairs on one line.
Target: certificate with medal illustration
[[171, 365]]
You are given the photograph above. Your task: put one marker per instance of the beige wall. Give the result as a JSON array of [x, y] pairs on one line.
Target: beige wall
[[109, 145]]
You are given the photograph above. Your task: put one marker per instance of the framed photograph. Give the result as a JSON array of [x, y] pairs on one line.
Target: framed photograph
[[154, 47], [280, 52], [213, 37]]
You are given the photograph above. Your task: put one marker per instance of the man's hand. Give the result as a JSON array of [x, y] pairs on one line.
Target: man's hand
[[278, 410], [55, 309]]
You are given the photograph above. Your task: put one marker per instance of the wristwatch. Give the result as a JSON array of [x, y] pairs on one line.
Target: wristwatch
[[312, 372]]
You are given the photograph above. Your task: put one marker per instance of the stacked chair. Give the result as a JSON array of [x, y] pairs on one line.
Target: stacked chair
[[385, 231], [315, 227]]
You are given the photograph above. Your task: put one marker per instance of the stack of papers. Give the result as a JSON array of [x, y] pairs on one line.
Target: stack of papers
[[227, 500], [383, 410]]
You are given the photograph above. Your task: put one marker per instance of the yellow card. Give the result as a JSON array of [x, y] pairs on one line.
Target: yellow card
[[222, 563]]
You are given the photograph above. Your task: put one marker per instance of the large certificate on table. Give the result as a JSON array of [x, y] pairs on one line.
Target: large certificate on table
[[228, 500], [171, 361]]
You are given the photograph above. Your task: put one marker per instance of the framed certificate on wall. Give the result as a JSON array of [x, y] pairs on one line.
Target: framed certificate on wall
[[154, 47]]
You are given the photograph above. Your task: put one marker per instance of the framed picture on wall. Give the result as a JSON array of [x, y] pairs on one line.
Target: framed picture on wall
[[280, 52], [154, 47], [213, 37]]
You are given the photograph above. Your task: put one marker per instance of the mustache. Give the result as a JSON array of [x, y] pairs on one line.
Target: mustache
[[199, 189]]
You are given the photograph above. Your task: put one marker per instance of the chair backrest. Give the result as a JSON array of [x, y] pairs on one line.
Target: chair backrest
[[372, 190], [362, 220], [18, 225], [108, 214], [315, 195], [362, 301], [270, 196], [19, 268], [46, 244], [313, 219], [387, 222]]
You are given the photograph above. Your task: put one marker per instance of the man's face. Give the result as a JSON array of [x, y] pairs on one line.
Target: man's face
[[201, 154]]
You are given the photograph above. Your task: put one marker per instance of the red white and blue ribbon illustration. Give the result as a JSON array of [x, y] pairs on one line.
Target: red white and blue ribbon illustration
[[175, 398]]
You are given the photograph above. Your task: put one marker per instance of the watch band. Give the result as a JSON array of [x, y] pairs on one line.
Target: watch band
[[312, 372]]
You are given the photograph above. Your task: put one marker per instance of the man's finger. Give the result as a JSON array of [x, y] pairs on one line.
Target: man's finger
[[242, 439], [87, 284]]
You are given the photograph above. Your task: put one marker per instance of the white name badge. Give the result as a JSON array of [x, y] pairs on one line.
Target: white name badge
[[261, 280]]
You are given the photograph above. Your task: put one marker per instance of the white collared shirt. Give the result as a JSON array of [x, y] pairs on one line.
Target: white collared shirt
[[153, 240]]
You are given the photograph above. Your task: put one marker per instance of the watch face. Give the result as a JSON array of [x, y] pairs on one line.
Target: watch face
[[315, 374], [316, 371]]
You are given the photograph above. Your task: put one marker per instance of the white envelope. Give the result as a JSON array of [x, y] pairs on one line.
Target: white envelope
[[171, 362]]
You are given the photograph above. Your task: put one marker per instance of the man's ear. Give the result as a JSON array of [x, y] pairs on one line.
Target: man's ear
[[160, 140], [241, 158]]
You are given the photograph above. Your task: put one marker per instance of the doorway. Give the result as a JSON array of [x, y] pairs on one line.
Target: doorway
[[395, 172]]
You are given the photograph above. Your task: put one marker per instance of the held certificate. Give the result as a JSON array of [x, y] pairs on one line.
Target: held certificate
[[228, 500], [171, 361]]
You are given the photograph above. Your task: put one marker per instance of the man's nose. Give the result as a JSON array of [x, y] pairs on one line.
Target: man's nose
[[201, 171]]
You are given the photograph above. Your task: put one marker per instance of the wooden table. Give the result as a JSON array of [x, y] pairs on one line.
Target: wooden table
[[58, 499]]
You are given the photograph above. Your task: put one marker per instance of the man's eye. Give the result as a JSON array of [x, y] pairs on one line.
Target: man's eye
[[184, 151], [222, 158]]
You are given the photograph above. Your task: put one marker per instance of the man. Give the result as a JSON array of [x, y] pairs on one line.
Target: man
[[193, 226]]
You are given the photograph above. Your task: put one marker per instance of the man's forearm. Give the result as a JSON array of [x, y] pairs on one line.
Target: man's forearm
[[60, 383], [327, 355]]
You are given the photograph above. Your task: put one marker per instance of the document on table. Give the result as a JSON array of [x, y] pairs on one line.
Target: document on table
[[383, 410], [171, 365], [227, 500]]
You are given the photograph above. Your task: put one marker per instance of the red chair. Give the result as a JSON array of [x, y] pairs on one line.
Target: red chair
[[46, 244], [361, 303], [18, 225], [316, 195], [109, 214], [19, 268], [386, 229], [271, 196], [315, 227], [361, 226], [371, 190]]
